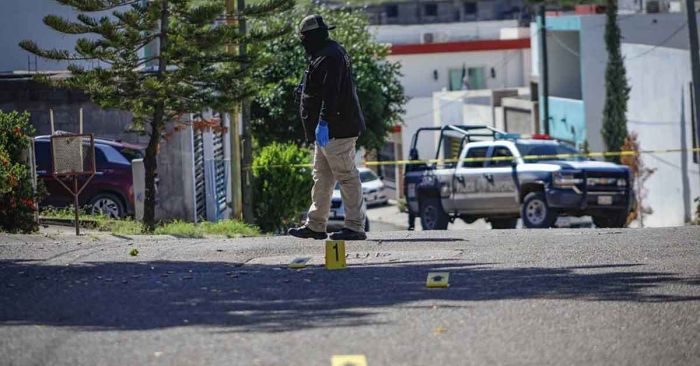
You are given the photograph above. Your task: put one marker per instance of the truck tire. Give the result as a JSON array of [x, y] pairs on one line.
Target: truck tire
[[614, 219], [432, 216], [503, 223], [536, 213]]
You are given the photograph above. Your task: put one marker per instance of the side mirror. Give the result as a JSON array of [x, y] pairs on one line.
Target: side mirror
[[513, 164], [381, 177]]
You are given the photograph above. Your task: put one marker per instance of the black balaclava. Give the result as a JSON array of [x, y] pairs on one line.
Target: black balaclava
[[314, 40]]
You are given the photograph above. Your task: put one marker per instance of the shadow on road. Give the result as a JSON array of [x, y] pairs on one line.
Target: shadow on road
[[148, 295]]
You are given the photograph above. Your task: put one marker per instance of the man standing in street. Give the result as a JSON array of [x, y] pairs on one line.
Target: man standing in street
[[332, 118]]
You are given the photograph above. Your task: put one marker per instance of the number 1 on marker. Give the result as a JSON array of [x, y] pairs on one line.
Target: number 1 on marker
[[335, 254]]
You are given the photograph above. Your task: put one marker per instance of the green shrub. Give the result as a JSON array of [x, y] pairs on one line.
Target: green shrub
[[17, 195], [228, 228], [282, 186]]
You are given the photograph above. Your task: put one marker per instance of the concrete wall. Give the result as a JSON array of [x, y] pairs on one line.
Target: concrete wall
[[418, 69], [593, 63], [567, 120], [659, 111], [649, 29], [37, 99], [175, 174], [519, 115], [419, 113]]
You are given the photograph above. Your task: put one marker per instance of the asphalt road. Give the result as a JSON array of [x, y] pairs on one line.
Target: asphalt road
[[579, 296]]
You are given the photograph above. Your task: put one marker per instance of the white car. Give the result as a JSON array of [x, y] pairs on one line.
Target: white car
[[372, 187], [336, 219], [372, 192]]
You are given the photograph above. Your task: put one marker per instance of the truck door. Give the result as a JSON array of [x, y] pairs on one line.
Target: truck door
[[499, 185], [467, 192]]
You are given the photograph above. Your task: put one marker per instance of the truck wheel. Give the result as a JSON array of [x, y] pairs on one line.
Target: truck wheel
[[503, 223], [614, 219], [432, 216], [535, 212], [366, 224]]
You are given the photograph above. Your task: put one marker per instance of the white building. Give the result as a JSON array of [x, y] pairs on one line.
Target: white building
[[655, 50], [451, 57]]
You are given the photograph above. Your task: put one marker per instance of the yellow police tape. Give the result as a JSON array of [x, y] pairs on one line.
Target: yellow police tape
[[501, 158]]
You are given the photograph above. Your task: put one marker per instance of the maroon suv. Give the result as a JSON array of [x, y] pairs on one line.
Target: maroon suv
[[110, 192]]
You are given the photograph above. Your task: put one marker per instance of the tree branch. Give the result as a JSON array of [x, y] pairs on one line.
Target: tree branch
[[96, 5]]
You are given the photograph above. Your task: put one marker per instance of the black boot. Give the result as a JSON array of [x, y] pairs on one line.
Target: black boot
[[306, 233], [347, 234]]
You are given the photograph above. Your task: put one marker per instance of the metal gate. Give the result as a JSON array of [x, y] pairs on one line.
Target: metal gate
[[211, 173], [221, 166], [200, 201]]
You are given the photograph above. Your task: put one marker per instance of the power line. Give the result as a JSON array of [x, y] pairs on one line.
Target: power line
[[564, 46], [670, 36]]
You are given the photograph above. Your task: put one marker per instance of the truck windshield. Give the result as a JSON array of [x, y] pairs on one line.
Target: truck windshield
[[545, 152]]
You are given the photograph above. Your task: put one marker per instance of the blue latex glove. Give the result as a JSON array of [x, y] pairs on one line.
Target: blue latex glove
[[322, 133]]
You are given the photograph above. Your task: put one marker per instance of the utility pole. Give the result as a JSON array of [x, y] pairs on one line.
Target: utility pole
[[694, 64], [544, 70], [234, 139], [245, 126]]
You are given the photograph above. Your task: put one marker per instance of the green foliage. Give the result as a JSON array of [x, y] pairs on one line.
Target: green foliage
[[282, 185], [164, 58], [17, 195], [274, 111], [616, 88], [228, 228]]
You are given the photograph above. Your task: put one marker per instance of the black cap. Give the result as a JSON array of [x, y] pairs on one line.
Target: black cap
[[312, 22]]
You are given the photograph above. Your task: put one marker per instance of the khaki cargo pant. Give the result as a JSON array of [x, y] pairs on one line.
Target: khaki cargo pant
[[336, 162]]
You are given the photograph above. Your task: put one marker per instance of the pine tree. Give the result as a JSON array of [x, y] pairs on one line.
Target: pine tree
[[616, 88], [193, 68]]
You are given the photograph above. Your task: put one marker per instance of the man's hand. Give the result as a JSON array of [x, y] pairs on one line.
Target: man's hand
[[322, 133]]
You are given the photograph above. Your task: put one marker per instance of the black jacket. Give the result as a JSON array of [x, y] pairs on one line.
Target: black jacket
[[329, 94]]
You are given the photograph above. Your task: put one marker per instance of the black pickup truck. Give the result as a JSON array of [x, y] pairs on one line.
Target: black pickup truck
[[502, 177]]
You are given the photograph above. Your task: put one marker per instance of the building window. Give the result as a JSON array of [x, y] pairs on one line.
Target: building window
[[476, 153], [470, 8], [430, 10], [471, 78], [392, 11]]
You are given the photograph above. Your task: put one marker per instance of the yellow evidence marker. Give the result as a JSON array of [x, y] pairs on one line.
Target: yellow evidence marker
[[335, 254], [299, 262], [438, 279], [349, 360]]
